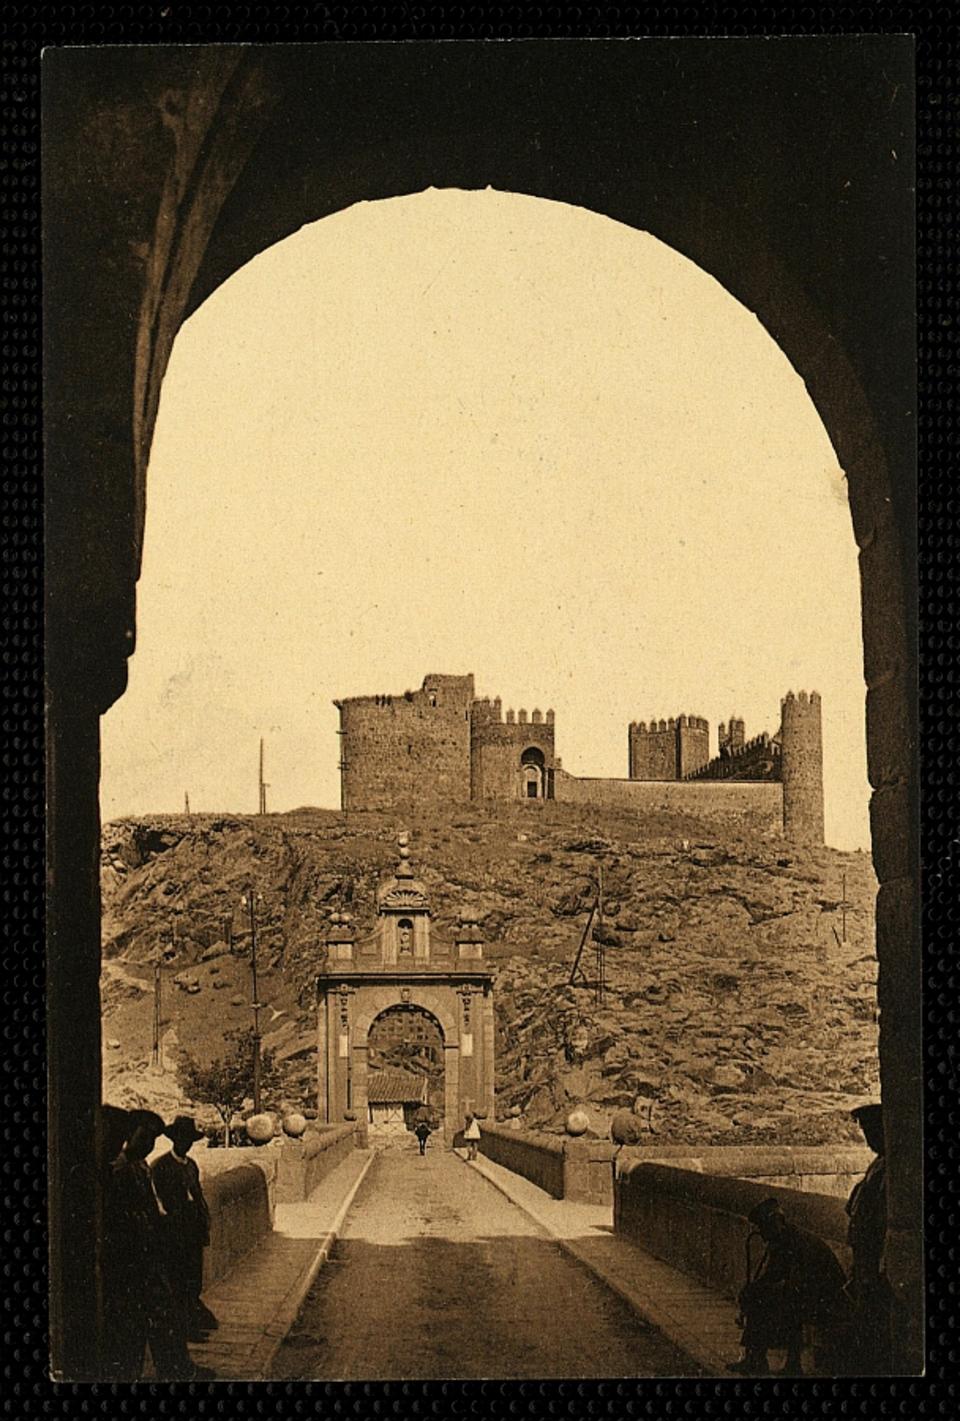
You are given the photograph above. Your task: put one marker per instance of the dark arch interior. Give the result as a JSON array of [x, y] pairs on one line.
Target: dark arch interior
[[409, 1038]]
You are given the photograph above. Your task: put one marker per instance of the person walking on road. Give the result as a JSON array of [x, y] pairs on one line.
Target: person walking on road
[[422, 1132], [471, 1134]]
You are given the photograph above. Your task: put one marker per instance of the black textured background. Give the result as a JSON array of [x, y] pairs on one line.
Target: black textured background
[[26, 29]]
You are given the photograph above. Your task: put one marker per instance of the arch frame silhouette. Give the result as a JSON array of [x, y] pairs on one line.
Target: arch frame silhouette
[[784, 170]]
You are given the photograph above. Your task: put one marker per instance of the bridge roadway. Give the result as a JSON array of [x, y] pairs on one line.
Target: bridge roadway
[[437, 1275]]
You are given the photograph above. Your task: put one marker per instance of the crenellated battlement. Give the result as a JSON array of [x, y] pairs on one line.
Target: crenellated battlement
[[443, 744], [667, 749], [757, 759], [658, 727]]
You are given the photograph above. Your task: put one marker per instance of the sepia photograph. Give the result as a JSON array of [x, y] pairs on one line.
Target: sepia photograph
[[483, 874]]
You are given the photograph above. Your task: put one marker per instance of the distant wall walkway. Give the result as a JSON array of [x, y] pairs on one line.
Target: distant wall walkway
[[758, 804]]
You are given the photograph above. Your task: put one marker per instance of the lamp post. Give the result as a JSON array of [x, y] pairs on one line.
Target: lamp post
[[248, 900]]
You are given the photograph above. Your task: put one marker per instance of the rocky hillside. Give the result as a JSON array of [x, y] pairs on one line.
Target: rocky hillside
[[733, 1005]]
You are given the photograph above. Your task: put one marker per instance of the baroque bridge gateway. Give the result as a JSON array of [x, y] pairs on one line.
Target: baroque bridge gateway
[[404, 966]]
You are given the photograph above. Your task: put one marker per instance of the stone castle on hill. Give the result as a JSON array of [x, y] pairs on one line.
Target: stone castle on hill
[[444, 745]]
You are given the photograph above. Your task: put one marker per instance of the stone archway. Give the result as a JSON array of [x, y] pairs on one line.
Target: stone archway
[[532, 774], [408, 1040], [165, 170], [459, 1001]]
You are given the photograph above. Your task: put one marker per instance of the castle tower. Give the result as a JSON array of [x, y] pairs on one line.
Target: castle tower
[[802, 767]]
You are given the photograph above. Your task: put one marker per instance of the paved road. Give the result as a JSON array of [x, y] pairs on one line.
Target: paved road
[[436, 1275]]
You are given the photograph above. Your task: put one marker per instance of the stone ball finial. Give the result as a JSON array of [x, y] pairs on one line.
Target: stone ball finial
[[626, 1128], [577, 1123], [260, 1128]]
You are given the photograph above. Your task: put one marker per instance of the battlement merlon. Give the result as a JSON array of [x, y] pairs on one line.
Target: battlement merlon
[[660, 727]]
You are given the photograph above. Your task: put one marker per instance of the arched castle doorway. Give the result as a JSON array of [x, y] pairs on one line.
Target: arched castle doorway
[[439, 996], [532, 774]]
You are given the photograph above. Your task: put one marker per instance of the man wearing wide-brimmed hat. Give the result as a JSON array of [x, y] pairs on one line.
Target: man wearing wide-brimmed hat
[[866, 1233], [186, 1226], [144, 1312], [798, 1280]]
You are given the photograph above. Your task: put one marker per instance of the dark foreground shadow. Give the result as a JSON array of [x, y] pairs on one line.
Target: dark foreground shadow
[[427, 1308]]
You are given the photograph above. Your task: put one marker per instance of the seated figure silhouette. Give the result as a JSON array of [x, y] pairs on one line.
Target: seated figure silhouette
[[798, 1280]]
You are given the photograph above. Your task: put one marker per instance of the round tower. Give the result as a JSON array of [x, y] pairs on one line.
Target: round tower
[[802, 767]]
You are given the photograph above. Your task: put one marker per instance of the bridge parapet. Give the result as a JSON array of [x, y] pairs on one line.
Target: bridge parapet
[[698, 1222], [566, 1168]]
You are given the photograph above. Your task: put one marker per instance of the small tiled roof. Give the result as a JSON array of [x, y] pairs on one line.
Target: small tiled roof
[[388, 1087]]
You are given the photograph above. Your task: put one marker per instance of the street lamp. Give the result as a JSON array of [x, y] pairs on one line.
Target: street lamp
[[249, 901]]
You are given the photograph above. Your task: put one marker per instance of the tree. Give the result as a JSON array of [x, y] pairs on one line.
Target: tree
[[226, 1082]]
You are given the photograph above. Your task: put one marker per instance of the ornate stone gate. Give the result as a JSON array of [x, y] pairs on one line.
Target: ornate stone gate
[[402, 963]]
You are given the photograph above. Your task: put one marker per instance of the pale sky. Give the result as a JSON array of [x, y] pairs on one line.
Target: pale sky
[[476, 431]]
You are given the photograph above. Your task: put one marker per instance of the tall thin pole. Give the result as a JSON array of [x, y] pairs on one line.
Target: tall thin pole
[[843, 910], [255, 1004], [156, 1057], [601, 957], [186, 802], [263, 783]]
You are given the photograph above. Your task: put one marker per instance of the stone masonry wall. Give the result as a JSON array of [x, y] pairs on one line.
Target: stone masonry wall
[[412, 748], [668, 749], [759, 804], [495, 754], [653, 752], [802, 767]]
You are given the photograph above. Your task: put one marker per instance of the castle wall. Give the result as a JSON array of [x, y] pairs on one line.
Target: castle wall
[[732, 737], [693, 745], [756, 805], [653, 754], [667, 749], [412, 748], [496, 750]]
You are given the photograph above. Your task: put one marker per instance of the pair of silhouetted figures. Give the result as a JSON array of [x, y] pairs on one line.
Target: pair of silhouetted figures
[[799, 1281], [155, 1228]]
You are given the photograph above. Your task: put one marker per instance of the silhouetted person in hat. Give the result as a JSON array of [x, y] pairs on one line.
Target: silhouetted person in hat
[[186, 1225], [147, 1314], [868, 1289], [797, 1280], [120, 1279], [422, 1132]]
